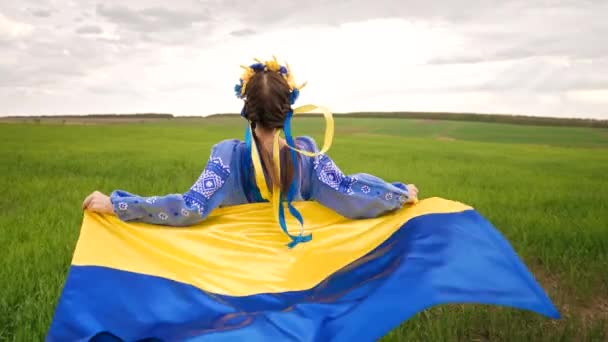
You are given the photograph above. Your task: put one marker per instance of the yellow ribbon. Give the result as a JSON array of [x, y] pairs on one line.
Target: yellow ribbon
[[258, 170], [329, 128], [276, 186], [275, 196]]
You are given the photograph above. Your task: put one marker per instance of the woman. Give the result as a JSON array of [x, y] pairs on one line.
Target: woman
[[229, 177], [357, 281]]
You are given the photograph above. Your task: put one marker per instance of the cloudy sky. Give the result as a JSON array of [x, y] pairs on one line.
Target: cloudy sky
[[522, 56]]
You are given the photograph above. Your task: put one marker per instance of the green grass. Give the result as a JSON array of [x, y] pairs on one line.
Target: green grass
[[544, 188]]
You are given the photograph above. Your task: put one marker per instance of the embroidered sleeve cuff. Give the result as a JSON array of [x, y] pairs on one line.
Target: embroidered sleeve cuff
[[126, 205]]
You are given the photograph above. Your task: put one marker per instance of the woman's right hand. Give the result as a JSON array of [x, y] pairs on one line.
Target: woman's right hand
[[412, 191]]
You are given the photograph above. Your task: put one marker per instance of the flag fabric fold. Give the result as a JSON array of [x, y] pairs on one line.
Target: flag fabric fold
[[232, 278]]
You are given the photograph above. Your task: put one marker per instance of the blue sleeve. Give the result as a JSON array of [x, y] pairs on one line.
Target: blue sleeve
[[184, 209], [359, 195]]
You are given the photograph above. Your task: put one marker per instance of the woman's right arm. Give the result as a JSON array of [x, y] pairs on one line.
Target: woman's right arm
[[358, 195]]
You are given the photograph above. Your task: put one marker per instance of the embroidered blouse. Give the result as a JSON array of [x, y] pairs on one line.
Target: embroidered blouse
[[228, 179]]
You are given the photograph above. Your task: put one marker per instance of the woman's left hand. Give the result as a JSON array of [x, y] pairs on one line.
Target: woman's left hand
[[98, 202]]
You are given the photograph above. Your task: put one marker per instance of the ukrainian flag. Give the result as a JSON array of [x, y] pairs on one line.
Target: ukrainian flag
[[231, 278]]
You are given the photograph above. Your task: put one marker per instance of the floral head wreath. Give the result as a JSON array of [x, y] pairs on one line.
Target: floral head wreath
[[271, 65], [261, 191]]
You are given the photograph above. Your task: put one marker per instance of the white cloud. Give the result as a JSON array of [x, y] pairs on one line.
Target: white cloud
[[42, 13], [11, 29], [183, 57], [89, 29], [151, 19], [598, 96]]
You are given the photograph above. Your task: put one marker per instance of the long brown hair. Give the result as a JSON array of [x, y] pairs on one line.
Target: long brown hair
[[266, 106]]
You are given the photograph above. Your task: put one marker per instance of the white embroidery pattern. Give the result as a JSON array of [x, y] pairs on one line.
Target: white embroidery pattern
[[330, 174], [152, 200], [123, 206], [212, 178], [185, 212], [365, 189], [163, 216], [209, 183], [389, 196], [218, 161], [316, 161], [200, 208]]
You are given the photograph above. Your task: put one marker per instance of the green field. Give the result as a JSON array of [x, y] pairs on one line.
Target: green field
[[545, 188]]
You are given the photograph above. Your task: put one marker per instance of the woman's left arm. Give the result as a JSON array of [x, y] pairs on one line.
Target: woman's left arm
[[170, 210], [185, 209]]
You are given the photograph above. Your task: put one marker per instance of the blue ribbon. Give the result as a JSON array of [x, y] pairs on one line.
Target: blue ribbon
[[292, 187], [295, 239]]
